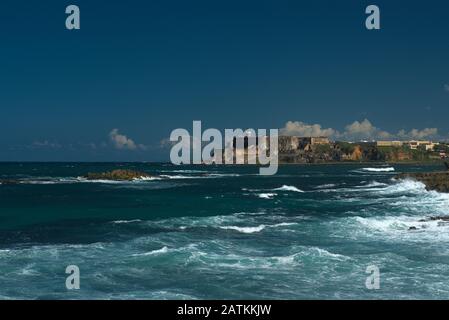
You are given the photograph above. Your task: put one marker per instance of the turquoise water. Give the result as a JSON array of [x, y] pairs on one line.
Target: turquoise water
[[199, 232]]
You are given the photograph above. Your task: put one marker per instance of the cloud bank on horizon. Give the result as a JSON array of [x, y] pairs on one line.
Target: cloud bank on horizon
[[122, 142], [356, 131], [363, 130]]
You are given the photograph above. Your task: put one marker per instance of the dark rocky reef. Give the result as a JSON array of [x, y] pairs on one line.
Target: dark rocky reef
[[442, 221], [437, 218], [120, 174], [8, 181], [438, 181]]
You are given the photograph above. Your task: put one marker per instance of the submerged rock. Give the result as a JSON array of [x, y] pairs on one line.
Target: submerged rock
[[9, 181], [442, 218], [120, 174], [438, 181], [442, 221]]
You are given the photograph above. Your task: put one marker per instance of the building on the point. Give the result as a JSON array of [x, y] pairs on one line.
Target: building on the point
[[390, 143], [425, 144]]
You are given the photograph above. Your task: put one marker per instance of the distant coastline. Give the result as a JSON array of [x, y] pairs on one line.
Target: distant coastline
[[429, 162], [423, 163], [321, 150]]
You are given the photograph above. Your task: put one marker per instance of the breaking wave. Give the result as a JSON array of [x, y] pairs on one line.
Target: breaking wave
[[147, 179], [288, 188], [258, 228], [203, 176], [401, 186], [267, 195], [389, 169], [150, 253], [245, 229], [289, 246]]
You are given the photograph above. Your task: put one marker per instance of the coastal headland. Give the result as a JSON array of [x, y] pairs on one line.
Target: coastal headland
[[315, 150]]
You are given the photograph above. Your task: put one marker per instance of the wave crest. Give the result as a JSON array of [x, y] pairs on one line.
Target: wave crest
[[267, 195], [245, 229], [153, 252], [288, 188], [388, 169]]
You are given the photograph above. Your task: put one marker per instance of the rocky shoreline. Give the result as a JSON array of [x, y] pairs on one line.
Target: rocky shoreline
[[436, 181]]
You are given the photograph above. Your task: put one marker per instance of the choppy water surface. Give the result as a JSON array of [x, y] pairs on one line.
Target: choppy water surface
[[221, 233]]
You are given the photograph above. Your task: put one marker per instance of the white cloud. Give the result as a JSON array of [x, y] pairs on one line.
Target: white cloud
[[298, 128], [418, 134], [358, 130], [122, 142], [364, 130]]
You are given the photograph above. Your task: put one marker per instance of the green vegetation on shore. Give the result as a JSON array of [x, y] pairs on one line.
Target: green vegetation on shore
[[342, 151]]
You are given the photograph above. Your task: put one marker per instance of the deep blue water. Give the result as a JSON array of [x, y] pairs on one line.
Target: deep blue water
[[308, 232]]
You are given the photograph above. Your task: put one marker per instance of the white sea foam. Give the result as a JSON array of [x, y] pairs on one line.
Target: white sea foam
[[258, 228], [245, 229], [283, 224], [288, 188], [324, 253], [386, 169], [267, 195], [326, 186], [178, 176], [42, 182], [80, 179], [286, 260], [404, 228], [218, 175], [72, 180], [153, 252], [107, 181], [147, 179], [402, 186], [203, 176], [244, 262], [126, 221], [388, 224], [185, 171], [380, 188], [104, 181], [374, 184], [252, 261]]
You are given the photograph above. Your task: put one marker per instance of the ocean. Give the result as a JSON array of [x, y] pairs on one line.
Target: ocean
[[217, 232]]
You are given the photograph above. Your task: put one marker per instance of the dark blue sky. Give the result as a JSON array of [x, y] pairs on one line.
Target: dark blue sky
[[148, 67]]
